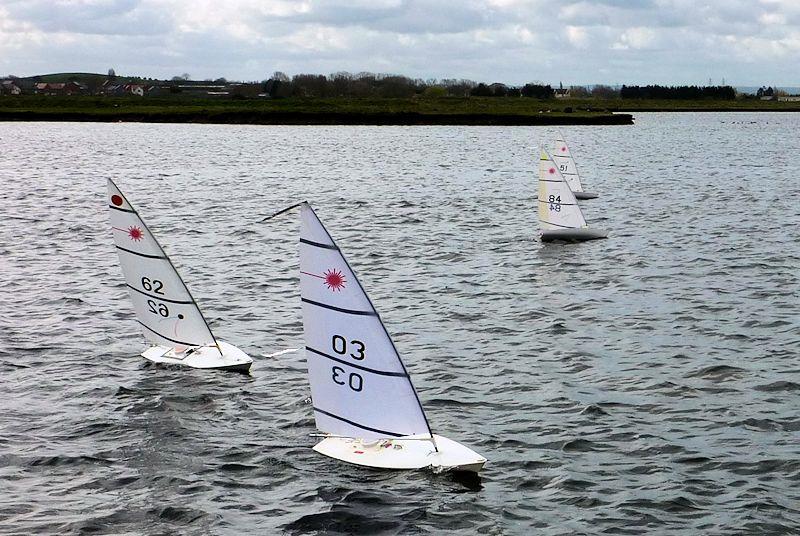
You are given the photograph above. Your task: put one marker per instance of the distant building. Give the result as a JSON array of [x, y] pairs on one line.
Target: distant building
[[58, 88], [561, 92], [789, 98], [8, 87]]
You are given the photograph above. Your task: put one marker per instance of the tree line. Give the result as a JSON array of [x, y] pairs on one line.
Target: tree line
[[678, 92], [344, 84]]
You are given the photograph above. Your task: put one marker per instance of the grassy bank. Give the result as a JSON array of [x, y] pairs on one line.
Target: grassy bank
[[413, 111]]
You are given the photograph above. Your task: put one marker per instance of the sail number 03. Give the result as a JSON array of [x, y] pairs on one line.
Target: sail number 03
[[355, 381], [356, 351], [340, 346]]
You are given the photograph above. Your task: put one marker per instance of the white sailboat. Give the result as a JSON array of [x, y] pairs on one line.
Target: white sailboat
[[560, 217], [362, 395], [166, 310], [566, 165]]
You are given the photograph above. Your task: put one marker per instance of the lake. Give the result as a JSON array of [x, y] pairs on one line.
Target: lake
[[647, 383]]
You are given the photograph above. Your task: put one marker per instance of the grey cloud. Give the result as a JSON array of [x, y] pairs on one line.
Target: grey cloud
[[115, 17]]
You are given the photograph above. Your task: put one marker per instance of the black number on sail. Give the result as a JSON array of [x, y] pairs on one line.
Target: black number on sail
[[339, 345], [562, 167], [355, 381], [155, 285], [554, 199], [158, 308], [555, 207]]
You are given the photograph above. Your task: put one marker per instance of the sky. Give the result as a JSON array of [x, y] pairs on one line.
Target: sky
[[744, 42]]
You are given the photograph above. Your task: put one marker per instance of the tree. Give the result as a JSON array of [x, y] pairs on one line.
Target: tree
[[604, 92], [112, 73], [280, 76]]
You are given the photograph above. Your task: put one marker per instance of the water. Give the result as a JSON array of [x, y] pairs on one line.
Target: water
[[645, 383]]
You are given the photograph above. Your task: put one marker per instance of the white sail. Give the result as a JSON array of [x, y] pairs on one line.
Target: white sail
[[359, 386], [566, 165], [164, 307], [558, 208]]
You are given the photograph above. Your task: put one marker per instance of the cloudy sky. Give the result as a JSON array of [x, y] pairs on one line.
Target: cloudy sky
[[746, 42]]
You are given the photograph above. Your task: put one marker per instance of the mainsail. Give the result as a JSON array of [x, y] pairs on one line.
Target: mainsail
[[566, 165], [164, 307], [558, 208], [359, 386]]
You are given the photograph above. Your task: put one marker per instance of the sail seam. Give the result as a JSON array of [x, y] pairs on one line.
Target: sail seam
[[167, 338], [557, 225], [549, 180], [359, 367], [122, 209], [142, 254], [353, 423], [558, 203], [318, 244], [159, 298], [339, 309]]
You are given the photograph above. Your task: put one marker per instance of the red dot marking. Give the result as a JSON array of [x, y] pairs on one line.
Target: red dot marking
[[117, 200], [563, 149], [552, 170]]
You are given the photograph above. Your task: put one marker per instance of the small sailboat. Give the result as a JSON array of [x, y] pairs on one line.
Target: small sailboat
[[566, 165], [560, 217], [166, 310], [363, 399]]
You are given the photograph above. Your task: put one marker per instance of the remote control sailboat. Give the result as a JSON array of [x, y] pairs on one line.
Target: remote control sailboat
[[362, 395], [566, 165], [166, 310], [560, 217]]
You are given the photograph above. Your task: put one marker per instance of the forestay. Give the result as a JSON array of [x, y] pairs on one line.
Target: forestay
[[359, 386], [558, 208], [164, 307], [566, 165]]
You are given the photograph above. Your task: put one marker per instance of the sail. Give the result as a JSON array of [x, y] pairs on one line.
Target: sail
[[566, 165], [164, 307], [558, 208], [359, 386]]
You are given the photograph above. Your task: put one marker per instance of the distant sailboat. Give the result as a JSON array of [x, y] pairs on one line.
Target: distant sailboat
[[362, 395], [560, 217], [169, 316], [566, 165]]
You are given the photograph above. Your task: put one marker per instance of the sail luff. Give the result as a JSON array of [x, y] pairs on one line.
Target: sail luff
[[169, 261], [403, 372]]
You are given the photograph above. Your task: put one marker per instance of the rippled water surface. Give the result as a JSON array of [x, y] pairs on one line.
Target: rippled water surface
[[645, 383]]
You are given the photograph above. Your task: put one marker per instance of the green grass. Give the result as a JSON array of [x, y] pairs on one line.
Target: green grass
[[179, 108]]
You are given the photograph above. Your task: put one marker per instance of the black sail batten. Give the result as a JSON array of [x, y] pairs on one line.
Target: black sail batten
[[339, 309], [318, 245], [357, 425], [158, 245], [357, 366], [380, 321], [159, 298]]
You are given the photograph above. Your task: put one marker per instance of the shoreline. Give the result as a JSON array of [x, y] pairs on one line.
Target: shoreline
[[323, 118]]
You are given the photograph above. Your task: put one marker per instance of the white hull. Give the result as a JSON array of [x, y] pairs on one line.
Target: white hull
[[204, 357], [403, 453]]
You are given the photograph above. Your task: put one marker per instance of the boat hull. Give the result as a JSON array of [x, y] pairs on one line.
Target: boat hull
[[573, 235], [585, 195], [203, 357], [403, 453]]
